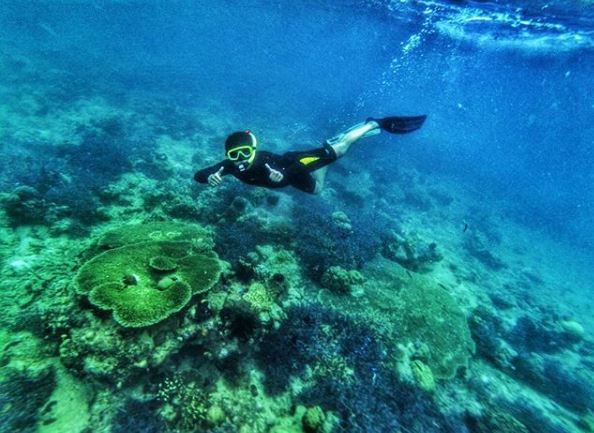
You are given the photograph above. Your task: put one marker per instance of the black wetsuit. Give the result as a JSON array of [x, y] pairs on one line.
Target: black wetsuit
[[296, 168]]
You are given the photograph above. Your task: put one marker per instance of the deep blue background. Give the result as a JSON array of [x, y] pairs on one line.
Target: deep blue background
[[514, 121]]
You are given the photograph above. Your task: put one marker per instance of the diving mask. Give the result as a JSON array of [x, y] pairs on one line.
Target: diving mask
[[241, 153]]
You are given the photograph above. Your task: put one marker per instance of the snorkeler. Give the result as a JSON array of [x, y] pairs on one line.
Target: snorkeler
[[304, 170]]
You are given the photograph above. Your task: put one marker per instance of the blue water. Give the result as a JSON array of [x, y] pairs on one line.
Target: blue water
[[507, 86]]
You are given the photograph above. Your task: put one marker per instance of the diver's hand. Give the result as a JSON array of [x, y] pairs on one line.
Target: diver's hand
[[216, 178], [274, 175]]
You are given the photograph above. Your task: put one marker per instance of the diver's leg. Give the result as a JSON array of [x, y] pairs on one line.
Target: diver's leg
[[319, 176], [313, 164], [342, 142]]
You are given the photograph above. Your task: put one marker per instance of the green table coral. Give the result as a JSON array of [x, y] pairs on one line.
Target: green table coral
[[144, 283], [418, 315], [429, 315]]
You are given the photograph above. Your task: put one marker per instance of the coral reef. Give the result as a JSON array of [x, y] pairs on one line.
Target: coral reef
[[107, 353], [340, 280], [24, 205], [313, 420], [342, 222], [380, 404], [251, 309], [570, 387], [136, 416], [430, 316], [539, 418], [241, 318], [22, 396], [478, 246], [324, 242], [125, 280], [259, 298], [138, 306], [185, 403], [154, 231], [162, 264], [488, 332], [215, 416], [155, 333], [312, 335], [277, 266], [59, 172], [414, 254], [573, 330], [423, 375], [373, 400], [237, 237], [297, 423], [496, 422], [543, 336]]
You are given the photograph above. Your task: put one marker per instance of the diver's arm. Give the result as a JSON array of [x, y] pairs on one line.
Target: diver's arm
[[275, 166], [274, 175], [202, 176]]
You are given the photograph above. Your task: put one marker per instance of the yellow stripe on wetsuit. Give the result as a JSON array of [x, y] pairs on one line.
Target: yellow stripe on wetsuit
[[308, 160]]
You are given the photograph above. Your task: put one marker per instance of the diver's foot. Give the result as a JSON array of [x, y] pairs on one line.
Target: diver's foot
[[373, 127], [376, 130]]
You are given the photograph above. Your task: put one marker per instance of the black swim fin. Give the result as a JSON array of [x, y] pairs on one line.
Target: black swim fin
[[400, 124]]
